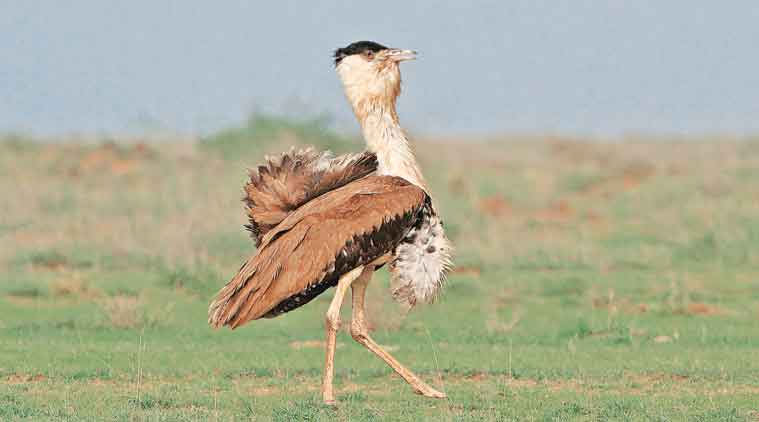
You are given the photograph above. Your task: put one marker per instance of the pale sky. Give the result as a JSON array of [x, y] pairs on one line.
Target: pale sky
[[574, 67]]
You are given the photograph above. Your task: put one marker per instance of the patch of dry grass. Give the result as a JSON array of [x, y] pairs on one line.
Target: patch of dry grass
[[122, 311]]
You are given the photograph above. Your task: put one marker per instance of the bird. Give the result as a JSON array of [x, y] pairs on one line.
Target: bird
[[321, 221]]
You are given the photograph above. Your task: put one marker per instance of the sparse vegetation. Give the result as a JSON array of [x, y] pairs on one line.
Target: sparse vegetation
[[264, 133], [594, 282]]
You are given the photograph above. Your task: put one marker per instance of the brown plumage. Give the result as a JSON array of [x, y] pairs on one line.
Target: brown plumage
[[317, 243], [286, 182]]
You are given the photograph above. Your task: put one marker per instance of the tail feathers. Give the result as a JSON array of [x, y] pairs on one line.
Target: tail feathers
[[224, 308], [246, 296], [232, 305], [290, 180]]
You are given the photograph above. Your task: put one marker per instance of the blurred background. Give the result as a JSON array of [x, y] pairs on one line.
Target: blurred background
[[193, 67], [596, 164]]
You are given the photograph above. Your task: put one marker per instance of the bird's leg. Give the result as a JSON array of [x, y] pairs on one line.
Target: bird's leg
[[361, 335], [332, 324]]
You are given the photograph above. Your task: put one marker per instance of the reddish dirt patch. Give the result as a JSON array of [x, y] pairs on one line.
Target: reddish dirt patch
[[121, 167], [702, 309], [24, 378], [477, 377], [634, 174], [495, 206], [141, 149], [115, 159], [559, 211]]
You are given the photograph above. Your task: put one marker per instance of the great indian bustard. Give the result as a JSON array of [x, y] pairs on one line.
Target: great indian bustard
[[321, 221]]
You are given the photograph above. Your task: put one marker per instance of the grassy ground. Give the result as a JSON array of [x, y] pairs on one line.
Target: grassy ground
[[594, 282]]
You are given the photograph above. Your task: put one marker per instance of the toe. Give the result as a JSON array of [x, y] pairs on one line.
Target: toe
[[436, 394]]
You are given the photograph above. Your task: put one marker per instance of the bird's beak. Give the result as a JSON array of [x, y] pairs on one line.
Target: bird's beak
[[398, 55]]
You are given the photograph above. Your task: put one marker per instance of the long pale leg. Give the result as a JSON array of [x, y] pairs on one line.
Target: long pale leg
[[361, 335], [332, 324]]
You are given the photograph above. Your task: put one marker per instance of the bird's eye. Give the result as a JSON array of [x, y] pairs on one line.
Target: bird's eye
[[369, 55]]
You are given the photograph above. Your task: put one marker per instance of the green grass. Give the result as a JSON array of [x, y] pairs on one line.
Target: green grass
[[594, 282]]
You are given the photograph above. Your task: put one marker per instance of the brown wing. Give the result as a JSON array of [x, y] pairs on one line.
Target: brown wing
[[324, 239], [292, 179]]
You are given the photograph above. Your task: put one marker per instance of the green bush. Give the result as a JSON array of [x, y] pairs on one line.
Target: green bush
[[262, 132]]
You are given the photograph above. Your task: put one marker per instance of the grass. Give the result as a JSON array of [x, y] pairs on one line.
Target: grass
[[594, 282]]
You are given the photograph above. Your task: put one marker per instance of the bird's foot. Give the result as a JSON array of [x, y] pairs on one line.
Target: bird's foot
[[430, 392], [328, 397]]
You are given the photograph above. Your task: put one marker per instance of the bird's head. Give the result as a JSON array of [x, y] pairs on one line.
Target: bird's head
[[370, 74]]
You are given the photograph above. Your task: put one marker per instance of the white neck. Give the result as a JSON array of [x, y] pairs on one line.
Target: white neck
[[385, 137], [372, 92]]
